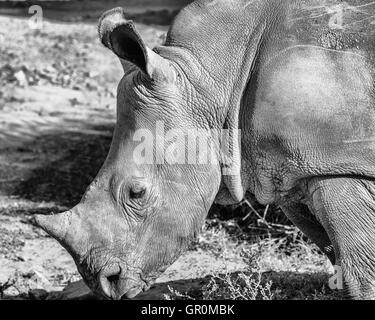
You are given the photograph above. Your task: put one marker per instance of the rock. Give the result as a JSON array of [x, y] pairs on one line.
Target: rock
[[38, 294], [38, 280], [21, 78]]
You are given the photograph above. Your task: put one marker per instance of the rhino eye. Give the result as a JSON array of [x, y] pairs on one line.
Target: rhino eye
[[137, 194]]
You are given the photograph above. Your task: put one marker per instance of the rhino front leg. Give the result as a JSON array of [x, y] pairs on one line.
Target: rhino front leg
[[301, 217], [346, 209]]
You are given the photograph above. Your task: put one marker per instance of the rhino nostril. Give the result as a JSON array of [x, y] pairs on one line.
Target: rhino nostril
[[113, 278], [109, 280]]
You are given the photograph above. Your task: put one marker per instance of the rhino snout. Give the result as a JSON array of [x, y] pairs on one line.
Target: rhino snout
[[115, 285]]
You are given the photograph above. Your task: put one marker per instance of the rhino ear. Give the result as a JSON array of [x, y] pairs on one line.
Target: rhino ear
[[120, 35]]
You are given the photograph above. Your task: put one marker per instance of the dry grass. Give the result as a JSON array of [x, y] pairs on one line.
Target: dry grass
[[278, 265]]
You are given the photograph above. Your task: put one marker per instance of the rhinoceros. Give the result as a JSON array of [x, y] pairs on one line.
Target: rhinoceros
[[292, 81]]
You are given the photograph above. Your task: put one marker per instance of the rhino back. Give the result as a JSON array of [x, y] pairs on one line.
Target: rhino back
[[331, 24], [216, 30]]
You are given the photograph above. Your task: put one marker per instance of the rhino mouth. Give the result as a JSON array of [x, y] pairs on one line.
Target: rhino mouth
[[115, 285], [118, 288]]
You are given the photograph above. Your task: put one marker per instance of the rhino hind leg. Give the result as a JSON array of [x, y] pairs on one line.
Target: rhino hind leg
[[302, 218], [345, 207]]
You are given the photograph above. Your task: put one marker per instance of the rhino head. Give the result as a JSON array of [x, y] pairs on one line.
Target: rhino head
[[138, 216]]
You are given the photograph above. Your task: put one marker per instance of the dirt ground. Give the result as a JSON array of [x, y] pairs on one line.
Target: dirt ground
[[57, 113]]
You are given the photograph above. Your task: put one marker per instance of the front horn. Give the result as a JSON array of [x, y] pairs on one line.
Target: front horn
[[56, 225]]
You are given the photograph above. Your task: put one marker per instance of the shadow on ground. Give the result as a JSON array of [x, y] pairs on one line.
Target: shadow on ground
[[284, 285], [67, 163]]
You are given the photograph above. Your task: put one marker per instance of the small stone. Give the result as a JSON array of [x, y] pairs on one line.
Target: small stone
[[38, 279], [21, 78]]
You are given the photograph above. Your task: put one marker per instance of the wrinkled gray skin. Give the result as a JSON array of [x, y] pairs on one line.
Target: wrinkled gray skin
[[298, 82]]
